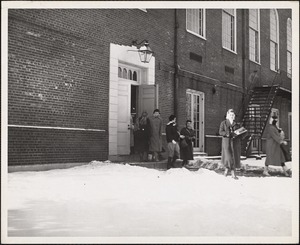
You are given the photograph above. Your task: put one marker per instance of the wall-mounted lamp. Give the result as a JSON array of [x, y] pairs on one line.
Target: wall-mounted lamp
[[144, 50]]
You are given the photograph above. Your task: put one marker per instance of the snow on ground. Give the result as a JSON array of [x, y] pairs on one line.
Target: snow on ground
[[104, 199]]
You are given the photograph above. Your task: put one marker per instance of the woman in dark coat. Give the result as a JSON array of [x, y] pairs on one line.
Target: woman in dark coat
[[274, 153], [187, 134], [141, 139], [231, 145], [155, 143]]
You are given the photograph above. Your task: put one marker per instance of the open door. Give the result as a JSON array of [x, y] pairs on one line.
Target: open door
[[148, 98], [124, 96]]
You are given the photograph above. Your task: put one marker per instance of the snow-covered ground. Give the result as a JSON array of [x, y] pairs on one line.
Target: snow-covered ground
[[116, 201]]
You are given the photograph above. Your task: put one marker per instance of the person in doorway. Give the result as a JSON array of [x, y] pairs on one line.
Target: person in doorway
[[141, 139], [231, 144], [173, 137], [132, 129], [274, 153], [155, 144], [186, 143]]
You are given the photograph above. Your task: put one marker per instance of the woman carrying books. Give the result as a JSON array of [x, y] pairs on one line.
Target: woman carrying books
[[231, 143]]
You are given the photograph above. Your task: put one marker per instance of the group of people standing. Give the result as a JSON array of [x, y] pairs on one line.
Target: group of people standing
[[148, 138], [276, 154]]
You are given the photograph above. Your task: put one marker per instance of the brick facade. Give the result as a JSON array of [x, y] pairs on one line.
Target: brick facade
[[58, 75]]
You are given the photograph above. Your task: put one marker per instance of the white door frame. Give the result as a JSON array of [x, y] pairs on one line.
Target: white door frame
[[201, 134], [120, 54]]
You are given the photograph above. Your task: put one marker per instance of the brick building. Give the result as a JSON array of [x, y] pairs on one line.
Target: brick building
[[75, 77]]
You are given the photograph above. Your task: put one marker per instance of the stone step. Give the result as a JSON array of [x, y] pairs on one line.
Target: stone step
[[196, 154]]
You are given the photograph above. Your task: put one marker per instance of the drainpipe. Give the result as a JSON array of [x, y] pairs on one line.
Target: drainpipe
[[244, 26], [175, 64]]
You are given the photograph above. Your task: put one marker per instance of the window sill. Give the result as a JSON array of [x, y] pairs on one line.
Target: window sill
[[278, 71], [258, 63], [196, 34], [231, 51]]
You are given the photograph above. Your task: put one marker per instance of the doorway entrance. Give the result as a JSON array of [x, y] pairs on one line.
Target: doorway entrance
[[131, 90], [195, 112]]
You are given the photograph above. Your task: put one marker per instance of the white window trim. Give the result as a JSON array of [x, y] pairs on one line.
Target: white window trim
[[235, 34], [204, 25], [234, 52], [258, 30], [196, 34], [277, 24], [289, 75]]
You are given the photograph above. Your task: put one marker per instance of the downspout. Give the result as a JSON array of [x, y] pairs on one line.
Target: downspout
[[243, 63], [175, 64]]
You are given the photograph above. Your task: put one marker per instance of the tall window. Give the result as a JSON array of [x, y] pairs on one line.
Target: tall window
[[289, 47], [274, 40], [195, 21], [229, 29], [254, 35]]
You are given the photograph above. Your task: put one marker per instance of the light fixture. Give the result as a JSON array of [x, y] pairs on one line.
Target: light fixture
[[144, 50]]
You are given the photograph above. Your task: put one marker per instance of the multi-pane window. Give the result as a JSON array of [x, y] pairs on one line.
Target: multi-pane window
[[195, 21], [229, 29], [129, 74], [274, 41], [289, 47], [254, 35]]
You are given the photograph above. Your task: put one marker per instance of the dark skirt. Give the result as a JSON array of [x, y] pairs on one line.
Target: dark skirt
[[187, 152], [141, 141]]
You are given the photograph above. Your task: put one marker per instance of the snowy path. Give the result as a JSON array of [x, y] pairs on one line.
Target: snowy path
[[104, 199]]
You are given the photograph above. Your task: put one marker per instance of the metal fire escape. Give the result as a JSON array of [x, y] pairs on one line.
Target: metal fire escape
[[258, 110], [257, 114]]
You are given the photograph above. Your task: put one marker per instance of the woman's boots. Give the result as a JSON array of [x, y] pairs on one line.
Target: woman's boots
[[233, 174], [226, 172], [171, 162], [266, 171], [284, 168], [285, 171]]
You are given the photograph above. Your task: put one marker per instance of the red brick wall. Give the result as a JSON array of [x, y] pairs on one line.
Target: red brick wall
[[58, 76], [214, 60], [45, 146]]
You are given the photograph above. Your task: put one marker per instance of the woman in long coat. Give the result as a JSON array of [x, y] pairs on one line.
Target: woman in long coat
[[155, 144], [231, 146], [141, 140], [274, 153], [188, 134]]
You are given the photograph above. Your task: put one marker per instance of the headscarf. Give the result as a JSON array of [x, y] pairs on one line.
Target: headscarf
[[143, 119], [227, 115]]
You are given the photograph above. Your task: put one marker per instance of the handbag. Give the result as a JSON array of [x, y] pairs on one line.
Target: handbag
[[286, 153], [183, 144]]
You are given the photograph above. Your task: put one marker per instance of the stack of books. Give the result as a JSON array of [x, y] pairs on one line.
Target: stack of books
[[240, 131]]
